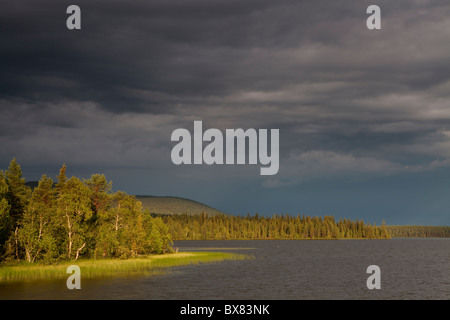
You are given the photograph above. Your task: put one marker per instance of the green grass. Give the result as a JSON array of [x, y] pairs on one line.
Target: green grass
[[149, 265]]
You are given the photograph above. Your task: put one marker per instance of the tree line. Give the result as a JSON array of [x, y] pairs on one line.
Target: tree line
[[225, 227], [71, 218], [419, 231]]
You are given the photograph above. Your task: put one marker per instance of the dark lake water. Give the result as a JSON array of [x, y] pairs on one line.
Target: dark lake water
[[281, 269]]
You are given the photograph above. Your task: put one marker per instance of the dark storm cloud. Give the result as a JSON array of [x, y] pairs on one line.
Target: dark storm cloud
[[369, 100], [187, 49], [174, 47]]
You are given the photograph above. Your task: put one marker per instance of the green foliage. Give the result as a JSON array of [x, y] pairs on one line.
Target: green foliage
[[37, 225], [159, 236], [73, 210], [18, 193], [5, 219], [17, 196], [221, 227], [74, 218], [99, 193]]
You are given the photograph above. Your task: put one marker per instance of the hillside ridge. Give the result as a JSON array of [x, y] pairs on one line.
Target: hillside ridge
[[176, 205]]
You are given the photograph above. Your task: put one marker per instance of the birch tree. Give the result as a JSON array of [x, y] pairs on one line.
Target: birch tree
[[37, 225], [74, 210]]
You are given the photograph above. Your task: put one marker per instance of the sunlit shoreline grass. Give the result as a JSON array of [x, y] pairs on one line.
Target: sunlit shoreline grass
[[148, 265]]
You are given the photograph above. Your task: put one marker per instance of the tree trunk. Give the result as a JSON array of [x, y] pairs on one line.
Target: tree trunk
[[28, 254], [116, 226], [69, 226], [78, 251], [17, 241]]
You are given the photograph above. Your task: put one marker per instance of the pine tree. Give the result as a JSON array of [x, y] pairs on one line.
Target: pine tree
[[17, 195], [62, 178], [5, 218], [100, 193]]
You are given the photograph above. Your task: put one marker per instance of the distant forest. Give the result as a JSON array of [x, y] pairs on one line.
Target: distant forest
[[225, 227], [419, 231]]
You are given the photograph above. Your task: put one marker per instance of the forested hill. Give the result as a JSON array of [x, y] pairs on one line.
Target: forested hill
[[175, 205]]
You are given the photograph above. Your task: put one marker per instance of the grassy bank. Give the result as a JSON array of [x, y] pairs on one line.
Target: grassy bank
[[149, 265]]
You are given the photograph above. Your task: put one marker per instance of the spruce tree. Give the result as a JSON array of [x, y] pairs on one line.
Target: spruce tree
[[5, 218], [17, 195]]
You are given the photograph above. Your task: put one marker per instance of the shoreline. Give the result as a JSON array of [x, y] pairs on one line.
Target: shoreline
[[112, 268]]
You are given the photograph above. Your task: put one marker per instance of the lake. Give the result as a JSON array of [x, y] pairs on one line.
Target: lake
[[279, 270]]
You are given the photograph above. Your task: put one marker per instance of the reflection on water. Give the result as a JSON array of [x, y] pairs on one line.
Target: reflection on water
[[282, 269]]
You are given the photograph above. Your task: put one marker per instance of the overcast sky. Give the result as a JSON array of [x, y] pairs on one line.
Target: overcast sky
[[364, 115]]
